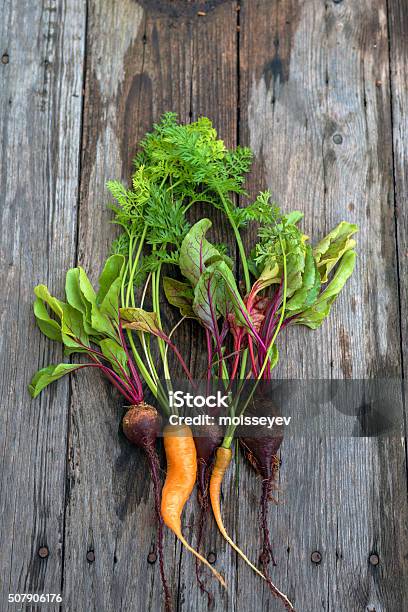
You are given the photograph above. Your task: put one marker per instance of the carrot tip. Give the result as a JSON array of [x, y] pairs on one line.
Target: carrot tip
[[202, 559]]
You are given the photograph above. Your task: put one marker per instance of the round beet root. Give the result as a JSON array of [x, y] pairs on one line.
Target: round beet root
[[141, 425]]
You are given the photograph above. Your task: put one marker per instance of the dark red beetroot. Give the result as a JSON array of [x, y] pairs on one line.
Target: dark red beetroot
[[141, 425], [207, 440]]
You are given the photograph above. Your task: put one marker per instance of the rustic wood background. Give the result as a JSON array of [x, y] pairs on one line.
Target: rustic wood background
[[319, 90]]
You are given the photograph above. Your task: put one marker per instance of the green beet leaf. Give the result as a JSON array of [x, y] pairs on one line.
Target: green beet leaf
[[333, 246], [276, 239], [75, 281], [49, 327], [47, 375], [42, 292], [180, 295], [72, 327], [196, 252], [87, 291], [274, 356], [140, 320], [308, 291], [99, 318], [73, 291], [294, 217], [110, 279], [315, 315], [217, 294], [116, 355], [210, 298]]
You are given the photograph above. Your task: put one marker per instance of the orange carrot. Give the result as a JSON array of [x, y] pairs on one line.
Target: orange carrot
[[180, 480], [223, 458]]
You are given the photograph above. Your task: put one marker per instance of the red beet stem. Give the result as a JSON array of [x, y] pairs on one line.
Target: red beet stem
[[141, 425]]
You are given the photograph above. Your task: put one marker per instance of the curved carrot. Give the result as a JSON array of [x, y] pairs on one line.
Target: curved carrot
[[180, 480], [223, 458]]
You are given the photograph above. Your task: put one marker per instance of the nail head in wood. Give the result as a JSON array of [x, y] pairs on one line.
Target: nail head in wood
[[151, 558], [374, 559], [316, 557], [90, 556], [43, 552], [338, 139], [5, 58], [212, 557]]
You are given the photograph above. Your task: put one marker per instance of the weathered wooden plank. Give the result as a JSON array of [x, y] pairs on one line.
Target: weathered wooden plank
[[42, 48], [398, 27], [161, 61], [101, 494], [164, 60], [315, 107]]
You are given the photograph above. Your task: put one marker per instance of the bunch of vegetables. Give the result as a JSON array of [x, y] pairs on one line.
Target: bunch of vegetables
[[287, 282]]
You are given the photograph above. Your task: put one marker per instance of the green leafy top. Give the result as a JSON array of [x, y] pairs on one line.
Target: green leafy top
[[191, 155], [307, 268], [149, 214], [278, 237], [177, 166], [88, 319]]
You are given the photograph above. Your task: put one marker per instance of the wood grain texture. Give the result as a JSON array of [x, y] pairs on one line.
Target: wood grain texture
[[42, 47], [315, 106], [162, 62], [319, 91], [398, 24]]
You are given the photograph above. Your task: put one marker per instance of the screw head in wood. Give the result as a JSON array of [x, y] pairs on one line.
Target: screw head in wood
[[43, 552], [337, 139], [316, 557], [374, 559], [151, 558], [212, 557], [90, 556]]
